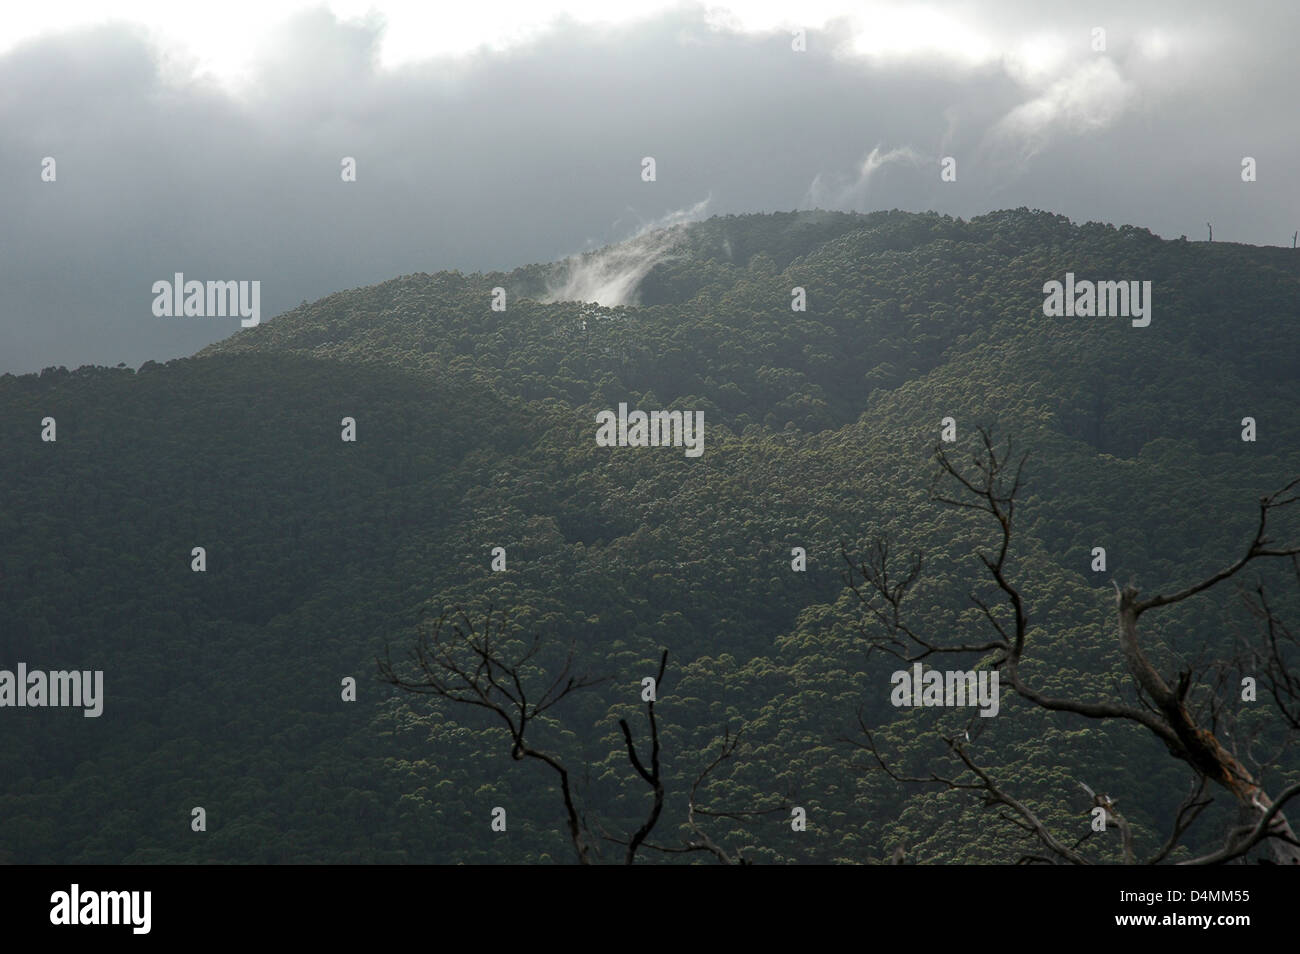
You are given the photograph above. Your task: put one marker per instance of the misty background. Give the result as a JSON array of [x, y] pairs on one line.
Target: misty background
[[529, 149]]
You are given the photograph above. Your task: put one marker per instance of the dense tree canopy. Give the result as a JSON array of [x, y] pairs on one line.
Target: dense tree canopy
[[475, 429]]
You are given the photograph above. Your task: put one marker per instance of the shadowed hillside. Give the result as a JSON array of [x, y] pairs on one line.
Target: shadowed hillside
[[475, 429]]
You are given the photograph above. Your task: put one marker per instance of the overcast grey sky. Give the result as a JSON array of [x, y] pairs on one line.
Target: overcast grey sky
[[492, 146]]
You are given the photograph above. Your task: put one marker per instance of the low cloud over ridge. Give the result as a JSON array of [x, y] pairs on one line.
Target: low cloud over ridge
[[493, 159]]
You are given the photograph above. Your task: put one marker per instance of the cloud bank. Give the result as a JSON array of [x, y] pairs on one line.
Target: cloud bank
[[495, 158]]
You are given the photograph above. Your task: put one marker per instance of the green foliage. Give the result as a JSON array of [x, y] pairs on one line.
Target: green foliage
[[476, 429]]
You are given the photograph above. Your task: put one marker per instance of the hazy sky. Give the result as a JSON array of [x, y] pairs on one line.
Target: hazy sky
[[490, 135]]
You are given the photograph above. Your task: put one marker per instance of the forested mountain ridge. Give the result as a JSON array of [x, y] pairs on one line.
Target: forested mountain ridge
[[475, 429]]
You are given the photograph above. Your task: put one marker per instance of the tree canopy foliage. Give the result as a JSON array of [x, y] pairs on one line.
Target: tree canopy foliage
[[475, 429]]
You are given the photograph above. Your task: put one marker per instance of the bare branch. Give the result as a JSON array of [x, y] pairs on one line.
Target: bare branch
[[1188, 812], [1265, 828], [466, 665], [650, 775], [1259, 547]]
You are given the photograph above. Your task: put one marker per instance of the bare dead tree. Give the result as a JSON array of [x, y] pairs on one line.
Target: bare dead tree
[[1165, 711], [652, 774], [993, 794], [700, 840], [471, 664], [695, 810], [468, 665], [1275, 660]]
